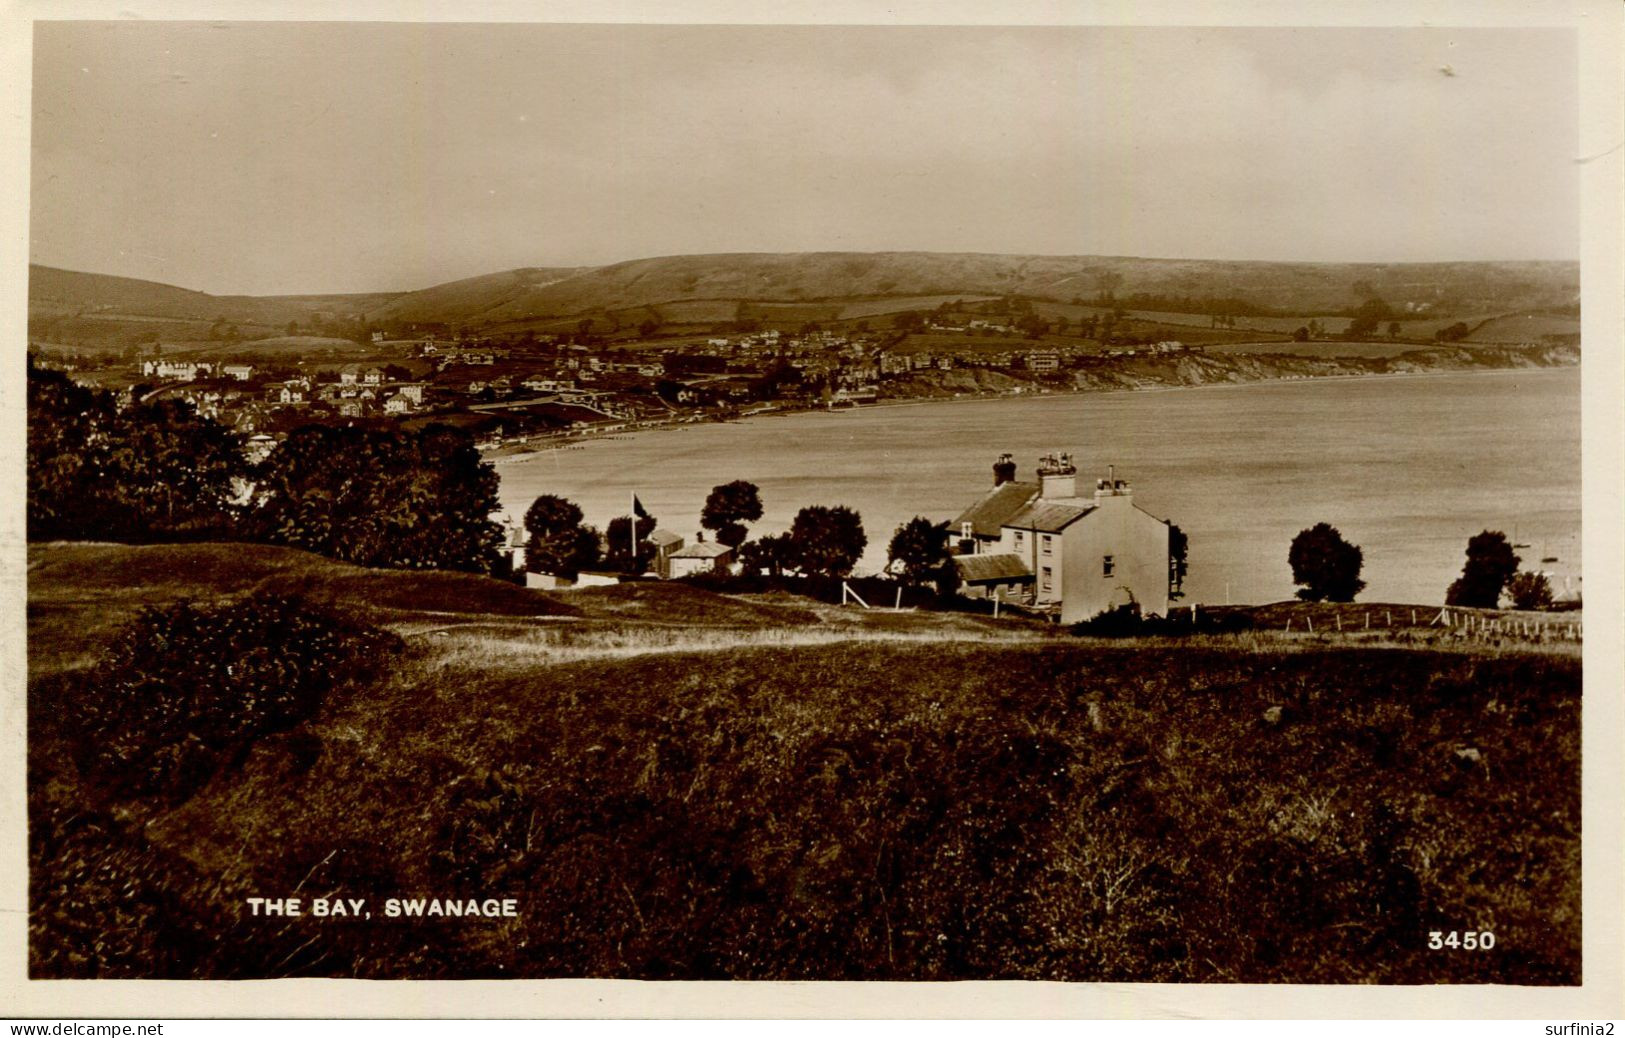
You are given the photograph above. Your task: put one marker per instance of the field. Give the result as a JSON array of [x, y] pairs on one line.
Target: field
[[680, 784], [1524, 328], [1318, 348]]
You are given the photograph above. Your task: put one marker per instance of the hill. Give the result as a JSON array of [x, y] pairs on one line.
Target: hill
[[790, 277], [683, 290], [488, 299], [675, 784]]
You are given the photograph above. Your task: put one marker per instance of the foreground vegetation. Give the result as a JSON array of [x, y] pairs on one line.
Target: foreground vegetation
[[680, 784]]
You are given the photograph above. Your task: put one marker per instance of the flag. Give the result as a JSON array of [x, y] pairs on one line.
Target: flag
[[638, 511]]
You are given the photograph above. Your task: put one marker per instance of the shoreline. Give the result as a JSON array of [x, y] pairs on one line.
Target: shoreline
[[576, 441]]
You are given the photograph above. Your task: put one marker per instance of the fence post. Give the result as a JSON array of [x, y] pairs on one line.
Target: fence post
[[899, 604], [1311, 622], [1339, 618]]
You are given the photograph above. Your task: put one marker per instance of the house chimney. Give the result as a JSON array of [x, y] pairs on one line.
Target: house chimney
[[1004, 470], [1057, 477], [699, 536], [1111, 486]]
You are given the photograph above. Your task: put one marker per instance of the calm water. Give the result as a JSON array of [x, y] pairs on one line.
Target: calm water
[[1406, 467]]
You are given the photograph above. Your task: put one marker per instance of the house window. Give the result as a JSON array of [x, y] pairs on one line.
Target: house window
[[966, 530], [1107, 566], [1048, 582], [1017, 536], [1045, 542]]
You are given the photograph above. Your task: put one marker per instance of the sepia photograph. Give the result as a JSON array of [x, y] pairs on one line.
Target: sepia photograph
[[718, 501]]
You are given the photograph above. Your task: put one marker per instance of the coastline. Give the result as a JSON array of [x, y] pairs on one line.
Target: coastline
[[547, 443]]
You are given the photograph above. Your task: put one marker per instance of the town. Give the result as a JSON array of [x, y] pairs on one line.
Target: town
[[515, 389]]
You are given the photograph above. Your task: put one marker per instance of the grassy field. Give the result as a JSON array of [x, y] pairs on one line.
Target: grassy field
[[1318, 348], [1524, 328], [679, 784]]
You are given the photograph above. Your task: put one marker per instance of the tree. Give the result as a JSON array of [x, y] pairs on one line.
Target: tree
[[618, 538], [769, 554], [1178, 566], [381, 497], [919, 551], [1300, 333], [1491, 562], [1326, 564], [827, 542], [647, 327], [558, 543], [728, 507], [1393, 329], [1530, 590], [293, 327]]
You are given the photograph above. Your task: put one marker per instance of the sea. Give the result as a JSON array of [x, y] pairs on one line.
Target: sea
[[1408, 467]]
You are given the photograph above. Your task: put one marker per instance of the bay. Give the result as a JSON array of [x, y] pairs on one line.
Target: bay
[[1408, 467]]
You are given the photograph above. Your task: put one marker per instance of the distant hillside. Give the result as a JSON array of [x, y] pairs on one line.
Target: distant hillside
[[670, 288], [489, 298], [1293, 287]]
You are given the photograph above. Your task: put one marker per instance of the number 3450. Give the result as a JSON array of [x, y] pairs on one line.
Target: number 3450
[[1482, 940]]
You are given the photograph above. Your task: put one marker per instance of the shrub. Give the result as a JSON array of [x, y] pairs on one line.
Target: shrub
[[186, 690]]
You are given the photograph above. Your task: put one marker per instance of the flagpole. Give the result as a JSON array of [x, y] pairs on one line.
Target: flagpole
[[633, 532]]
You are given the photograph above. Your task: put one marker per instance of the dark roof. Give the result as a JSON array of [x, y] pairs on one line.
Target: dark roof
[[664, 537], [1046, 517], [991, 510], [985, 569]]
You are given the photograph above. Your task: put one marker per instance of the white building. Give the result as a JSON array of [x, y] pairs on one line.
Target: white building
[[1046, 546], [702, 556]]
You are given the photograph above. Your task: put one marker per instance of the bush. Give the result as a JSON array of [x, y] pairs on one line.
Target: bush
[[184, 691]]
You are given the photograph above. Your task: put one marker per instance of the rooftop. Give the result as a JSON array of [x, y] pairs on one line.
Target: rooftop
[[701, 550], [1047, 517], [993, 508], [985, 569]]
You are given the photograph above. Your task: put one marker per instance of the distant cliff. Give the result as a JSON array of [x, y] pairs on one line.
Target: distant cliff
[[1202, 369]]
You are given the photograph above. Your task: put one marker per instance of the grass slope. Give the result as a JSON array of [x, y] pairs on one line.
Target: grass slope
[[834, 279], [874, 796]]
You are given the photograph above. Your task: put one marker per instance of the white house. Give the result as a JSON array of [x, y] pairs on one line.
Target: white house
[[1047, 546], [702, 556]]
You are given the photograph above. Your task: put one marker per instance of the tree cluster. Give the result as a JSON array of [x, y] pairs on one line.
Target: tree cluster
[[150, 472], [380, 497]]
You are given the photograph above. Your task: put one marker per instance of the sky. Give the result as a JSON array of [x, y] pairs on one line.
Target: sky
[[265, 158]]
